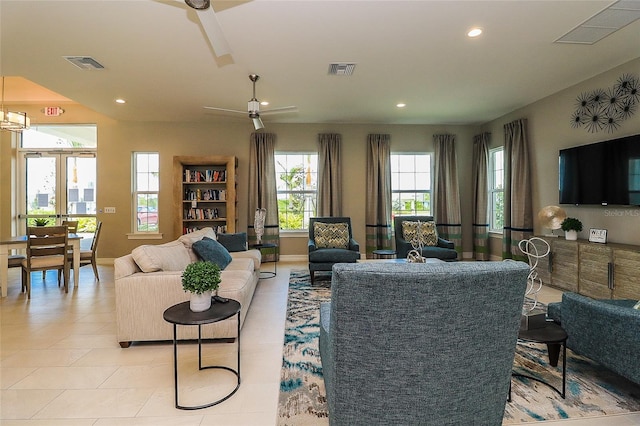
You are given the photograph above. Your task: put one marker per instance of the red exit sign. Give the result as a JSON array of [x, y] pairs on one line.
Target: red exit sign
[[52, 111]]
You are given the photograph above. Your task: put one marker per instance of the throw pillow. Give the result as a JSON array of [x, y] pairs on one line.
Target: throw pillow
[[428, 232], [233, 242], [192, 237], [331, 235], [171, 256], [212, 251]]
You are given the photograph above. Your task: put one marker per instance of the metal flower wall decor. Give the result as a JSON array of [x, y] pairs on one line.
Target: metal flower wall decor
[[605, 109]]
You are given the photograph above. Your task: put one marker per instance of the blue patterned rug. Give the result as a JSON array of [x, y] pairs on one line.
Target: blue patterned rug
[[591, 389]]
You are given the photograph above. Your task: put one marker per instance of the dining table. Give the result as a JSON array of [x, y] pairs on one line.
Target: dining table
[[20, 242]]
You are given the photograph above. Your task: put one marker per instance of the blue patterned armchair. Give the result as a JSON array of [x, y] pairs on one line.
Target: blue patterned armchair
[[332, 242], [444, 250]]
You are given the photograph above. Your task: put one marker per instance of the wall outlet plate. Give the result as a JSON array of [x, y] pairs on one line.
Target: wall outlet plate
[[109, 209]]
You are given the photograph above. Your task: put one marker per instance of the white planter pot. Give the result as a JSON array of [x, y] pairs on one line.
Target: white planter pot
[[200, 302], [571, 235]]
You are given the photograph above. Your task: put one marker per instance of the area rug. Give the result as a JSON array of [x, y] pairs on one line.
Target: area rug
[[591, 389]]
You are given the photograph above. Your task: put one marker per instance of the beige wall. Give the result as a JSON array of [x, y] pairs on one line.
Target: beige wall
[[549, 130], [549, 125]]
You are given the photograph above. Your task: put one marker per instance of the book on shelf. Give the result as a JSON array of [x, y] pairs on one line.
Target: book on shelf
[[221, 229]]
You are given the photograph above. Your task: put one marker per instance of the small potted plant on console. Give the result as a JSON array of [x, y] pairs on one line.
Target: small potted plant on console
[[201, 279], [571, 226]]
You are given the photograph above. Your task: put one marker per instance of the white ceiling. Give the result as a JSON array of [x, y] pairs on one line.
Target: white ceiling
[[157, 57]]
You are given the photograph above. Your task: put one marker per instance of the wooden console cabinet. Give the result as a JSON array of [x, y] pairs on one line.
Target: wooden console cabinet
[[601, 271], [205, 193]]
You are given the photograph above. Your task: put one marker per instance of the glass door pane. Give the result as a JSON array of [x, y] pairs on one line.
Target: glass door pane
[[81, 186], [41, 189]]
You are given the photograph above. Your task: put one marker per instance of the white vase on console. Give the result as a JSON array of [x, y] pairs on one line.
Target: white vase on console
[[571, 235]]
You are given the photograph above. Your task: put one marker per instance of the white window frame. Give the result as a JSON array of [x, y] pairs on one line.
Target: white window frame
[[396, 177], [135, 193], [495, 189], [310, 194]]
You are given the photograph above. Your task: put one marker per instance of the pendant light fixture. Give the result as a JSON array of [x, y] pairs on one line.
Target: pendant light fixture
[[12, 121]]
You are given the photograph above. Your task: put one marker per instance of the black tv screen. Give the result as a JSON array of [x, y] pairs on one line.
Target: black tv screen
[[604, 173]]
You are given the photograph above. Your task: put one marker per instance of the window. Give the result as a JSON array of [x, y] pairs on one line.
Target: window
[[146, 185], [496, 189], [297, 183], [410, 184]]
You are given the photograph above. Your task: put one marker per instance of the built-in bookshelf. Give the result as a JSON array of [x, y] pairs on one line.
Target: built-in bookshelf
[[205, 193]]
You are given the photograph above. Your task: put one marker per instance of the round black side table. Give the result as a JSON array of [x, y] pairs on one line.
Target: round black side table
[[182, 315], [555, 338], [268, 274], [384, 254]]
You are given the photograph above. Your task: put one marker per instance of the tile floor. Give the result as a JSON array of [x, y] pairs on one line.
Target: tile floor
[[61, 365]]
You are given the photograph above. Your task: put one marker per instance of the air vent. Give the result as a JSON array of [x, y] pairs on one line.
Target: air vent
[[341, 68], [604, 23], [84, 62]]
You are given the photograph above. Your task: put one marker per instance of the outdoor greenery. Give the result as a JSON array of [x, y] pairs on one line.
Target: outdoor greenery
[[199, 277], [294, 202]]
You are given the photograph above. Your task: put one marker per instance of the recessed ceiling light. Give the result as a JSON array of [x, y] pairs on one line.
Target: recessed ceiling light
[[121, 101], [401, 105], [474, 32], [264, 103]]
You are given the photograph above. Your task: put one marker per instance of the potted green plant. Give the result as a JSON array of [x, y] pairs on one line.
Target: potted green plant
[[41, 221], [571, 226], [200, 279]]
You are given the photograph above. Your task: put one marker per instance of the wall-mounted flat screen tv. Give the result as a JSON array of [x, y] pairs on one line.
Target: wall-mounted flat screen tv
[[603, 173]]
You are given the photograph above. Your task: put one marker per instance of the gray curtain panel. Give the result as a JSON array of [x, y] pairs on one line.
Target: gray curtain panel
[[378, 212], [263, 191], [518, 205], [329, 175], [446, 192], [480, 168]]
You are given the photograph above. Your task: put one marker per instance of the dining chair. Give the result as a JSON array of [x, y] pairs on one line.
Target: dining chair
[[88, 257], [72, 228], [46, 249]]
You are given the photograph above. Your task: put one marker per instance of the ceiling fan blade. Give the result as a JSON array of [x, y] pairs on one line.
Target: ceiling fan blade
[[212, 28], [280, 110], [235, 111]]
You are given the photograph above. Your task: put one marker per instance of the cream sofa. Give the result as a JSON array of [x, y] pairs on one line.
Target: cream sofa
[[149, 280]]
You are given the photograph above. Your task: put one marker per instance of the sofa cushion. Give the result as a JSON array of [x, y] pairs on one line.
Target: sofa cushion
[[253, 254], [210, 250], [171, 256], [428, 232], [233, 242], [331, 235], [241, 264], [192, 237]]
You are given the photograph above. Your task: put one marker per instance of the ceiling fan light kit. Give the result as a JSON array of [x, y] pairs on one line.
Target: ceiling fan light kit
[[198, 4]]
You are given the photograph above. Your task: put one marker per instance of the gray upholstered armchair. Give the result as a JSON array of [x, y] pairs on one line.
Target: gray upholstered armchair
[[444, 250], [332, 242], [420, 343]]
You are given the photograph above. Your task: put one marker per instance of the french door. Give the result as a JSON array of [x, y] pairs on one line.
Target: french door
[[58, 185]]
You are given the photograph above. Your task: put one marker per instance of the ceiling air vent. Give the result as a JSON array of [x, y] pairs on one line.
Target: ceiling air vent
[[341, 68], [84, 62], [604, 23]]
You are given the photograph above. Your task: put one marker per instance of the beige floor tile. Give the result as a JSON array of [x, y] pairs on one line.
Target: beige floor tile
[[240, 419], [24, 403], [191, 420], [43, 358], [11, 376], [136, 355], [140, 376], [66, 378], [95, 403], [50, 422]]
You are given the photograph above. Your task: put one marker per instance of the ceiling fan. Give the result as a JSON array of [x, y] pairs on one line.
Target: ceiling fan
[[253, 107], [209, 23]]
